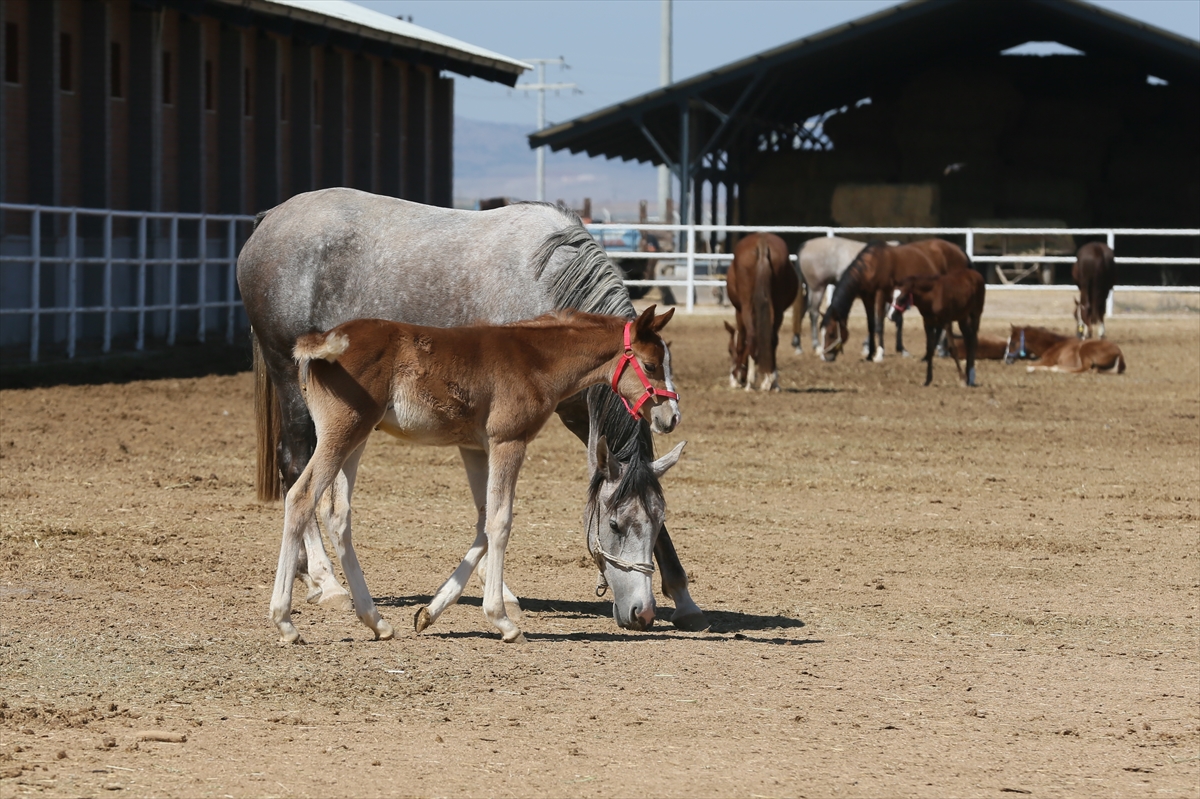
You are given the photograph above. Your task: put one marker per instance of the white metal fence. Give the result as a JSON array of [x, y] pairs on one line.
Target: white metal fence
[[136, 285], [710, 264], [152, 275]]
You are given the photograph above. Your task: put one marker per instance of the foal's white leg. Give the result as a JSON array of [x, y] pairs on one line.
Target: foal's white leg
[[335, 514], [323, 586], [476, 463], [504, 465], [297, 514]]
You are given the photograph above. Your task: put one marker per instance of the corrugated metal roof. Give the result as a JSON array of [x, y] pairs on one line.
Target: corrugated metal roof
[[358, 20]]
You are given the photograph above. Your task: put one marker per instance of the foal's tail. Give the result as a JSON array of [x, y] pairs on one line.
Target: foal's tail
[[319, 346], [764, 317], [267, 424]]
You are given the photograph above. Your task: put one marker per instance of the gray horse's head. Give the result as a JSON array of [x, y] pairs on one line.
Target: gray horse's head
[[625, 510]]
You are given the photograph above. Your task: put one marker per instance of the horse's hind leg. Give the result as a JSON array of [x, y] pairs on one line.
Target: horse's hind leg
[[335, 514], [687, 615]]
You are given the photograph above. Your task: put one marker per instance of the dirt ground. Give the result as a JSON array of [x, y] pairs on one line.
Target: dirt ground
[[913, 592]]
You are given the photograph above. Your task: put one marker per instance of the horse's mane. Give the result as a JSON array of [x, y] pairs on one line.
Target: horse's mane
[[629, 442], [590, 282], [846, 290]]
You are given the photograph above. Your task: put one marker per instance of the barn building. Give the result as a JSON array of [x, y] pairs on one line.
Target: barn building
[[916, 116], [198, 107]]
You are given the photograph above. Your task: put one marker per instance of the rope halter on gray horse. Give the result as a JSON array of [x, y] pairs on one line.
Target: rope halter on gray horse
[[601, 557]]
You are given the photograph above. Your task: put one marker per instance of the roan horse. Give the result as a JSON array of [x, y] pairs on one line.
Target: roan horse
[[488, 389], [956, 296], [822, 261], [1095, 272], [1058, 353], [872, 277], [761, 284], [333, 255]]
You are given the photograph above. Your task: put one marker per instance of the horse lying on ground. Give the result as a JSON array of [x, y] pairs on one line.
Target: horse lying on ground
[[330, 256], [1057, 353], [1095, 272], [957, 296], [488, 389], [822, 261], [761, 284], [872, 277], [989, 348]]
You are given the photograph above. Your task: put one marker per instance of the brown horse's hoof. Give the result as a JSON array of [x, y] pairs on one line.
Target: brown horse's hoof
[[691, 623], [422, 620]]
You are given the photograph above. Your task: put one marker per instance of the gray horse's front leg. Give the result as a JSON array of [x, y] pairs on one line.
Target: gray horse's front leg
[[687, 615]]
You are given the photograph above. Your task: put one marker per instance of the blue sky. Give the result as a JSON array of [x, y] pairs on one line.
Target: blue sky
[[612, 46]]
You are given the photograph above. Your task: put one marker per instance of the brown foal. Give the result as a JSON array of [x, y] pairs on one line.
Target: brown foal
[[477, 388], [956, 296]]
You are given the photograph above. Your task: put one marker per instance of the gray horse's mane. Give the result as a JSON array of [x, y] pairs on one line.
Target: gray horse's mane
[[630, 443]]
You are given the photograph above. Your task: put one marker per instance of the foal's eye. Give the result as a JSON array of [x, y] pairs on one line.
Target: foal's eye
[[612, 525], [651, 368]]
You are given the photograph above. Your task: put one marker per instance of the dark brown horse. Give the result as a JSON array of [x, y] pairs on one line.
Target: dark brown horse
[[761, 284], [872, 277], [1095, 272], [943, 299]]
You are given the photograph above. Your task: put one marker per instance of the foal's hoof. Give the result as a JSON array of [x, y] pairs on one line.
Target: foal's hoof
[[422, 620], [519, 638], [314, 596], [337, 602], [292, 637], [691, 623], [384, 631]]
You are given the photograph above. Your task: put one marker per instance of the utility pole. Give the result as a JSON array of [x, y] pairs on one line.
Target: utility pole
[[541, 87], [664, 79]]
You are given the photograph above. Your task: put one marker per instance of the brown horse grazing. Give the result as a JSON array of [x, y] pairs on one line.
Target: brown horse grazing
[[1058, 353], [943, 299], [872, 277], [1095, 272], [488, 389], [761, 285]]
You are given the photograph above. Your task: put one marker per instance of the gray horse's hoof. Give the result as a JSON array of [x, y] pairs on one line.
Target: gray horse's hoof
[[518, 639], [691, 623]]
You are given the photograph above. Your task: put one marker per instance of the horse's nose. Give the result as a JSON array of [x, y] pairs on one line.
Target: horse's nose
[[640, 618]]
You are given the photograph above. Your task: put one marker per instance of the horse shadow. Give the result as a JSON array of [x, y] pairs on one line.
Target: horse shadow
[[723, 623]]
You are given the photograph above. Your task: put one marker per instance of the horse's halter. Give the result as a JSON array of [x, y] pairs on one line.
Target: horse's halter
[[601, 557], [650, 392], [903, 303], [1010, 356]]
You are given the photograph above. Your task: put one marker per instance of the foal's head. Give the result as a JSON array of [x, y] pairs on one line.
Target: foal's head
[[1015, 349], [643, 385]]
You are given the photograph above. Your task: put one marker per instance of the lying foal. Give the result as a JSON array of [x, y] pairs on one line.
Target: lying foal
[[942, 300], [480, 388]]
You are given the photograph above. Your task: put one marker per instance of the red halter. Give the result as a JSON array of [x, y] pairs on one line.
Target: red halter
[[651, 391]]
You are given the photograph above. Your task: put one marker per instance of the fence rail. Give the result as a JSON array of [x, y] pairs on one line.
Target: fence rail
[[165, 251]]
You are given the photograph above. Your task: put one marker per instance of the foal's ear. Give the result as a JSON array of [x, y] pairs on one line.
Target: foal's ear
[[661, 321], [645, 319]]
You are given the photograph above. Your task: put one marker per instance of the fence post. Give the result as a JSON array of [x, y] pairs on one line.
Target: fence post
[[108, 278], [691, 267], [1108, 303], [35, 283], [202, 257], [231, 279], [72, 285], [970, 243], [201, 291], [173, 319], [141, 304]]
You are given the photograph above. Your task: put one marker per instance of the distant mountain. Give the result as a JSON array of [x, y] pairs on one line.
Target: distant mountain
[[493, 159]]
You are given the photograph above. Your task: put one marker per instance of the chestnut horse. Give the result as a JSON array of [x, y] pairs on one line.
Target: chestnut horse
[[1095, 272], [480, 388], [871, 277], [761, 284], [1059, 353], [956, 296]]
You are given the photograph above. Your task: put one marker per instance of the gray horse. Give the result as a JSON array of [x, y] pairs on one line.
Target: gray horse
[[329, 256], [822, 262]]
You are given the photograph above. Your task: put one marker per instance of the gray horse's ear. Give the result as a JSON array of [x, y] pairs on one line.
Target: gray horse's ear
[[605, 462], [664, 463]]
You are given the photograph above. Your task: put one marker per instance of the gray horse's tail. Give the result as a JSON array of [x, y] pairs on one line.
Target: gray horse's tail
[[267, 428]]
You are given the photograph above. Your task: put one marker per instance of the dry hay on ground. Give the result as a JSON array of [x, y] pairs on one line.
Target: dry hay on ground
[[913, 591]]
